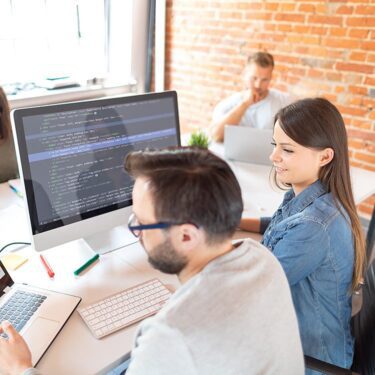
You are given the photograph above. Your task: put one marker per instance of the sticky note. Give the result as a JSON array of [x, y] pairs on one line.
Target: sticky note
[[12, 260]]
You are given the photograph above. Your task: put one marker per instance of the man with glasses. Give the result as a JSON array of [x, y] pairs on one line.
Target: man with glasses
[[233, 313], [257, 105]]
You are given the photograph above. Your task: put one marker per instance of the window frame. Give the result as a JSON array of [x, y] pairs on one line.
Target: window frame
[[136, 84]]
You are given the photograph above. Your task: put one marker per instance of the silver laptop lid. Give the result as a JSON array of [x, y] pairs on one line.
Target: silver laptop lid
[[248, 144]]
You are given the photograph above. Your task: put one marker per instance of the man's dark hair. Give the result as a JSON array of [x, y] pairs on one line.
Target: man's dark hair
[[263, 59], [191, 185]]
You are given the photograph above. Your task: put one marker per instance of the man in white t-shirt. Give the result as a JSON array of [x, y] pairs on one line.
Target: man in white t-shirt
[[257, 105]]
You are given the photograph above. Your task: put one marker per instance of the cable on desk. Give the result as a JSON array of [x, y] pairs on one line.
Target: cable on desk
[[14, 243]]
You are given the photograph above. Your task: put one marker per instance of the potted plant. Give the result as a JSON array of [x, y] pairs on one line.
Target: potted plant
[[199, 139]]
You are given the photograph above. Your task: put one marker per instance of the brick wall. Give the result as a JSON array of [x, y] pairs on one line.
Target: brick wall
[[321, 48]]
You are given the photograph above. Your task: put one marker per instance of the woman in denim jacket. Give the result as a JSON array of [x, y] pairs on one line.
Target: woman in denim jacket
[[316, 233]]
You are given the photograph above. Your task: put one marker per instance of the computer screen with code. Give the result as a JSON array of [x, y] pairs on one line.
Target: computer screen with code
[[72, 154]]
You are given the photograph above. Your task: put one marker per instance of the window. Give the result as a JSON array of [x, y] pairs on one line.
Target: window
[[84, 39]]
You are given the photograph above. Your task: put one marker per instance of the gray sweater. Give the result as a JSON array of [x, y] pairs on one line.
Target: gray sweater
[[235, 317]]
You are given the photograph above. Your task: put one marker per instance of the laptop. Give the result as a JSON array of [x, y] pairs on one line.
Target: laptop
[[247, 144], [37, 314]]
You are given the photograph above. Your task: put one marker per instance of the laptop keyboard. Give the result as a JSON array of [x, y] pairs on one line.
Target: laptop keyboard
[[125, 308], [19, 308]]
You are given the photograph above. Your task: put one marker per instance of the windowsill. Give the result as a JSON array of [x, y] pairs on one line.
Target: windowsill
[[41, 96]]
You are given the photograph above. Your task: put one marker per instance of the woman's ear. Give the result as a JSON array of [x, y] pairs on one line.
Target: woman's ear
[[326, 156]]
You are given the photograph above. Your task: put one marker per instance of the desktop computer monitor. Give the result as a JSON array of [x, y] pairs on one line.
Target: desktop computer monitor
[[71, 157]]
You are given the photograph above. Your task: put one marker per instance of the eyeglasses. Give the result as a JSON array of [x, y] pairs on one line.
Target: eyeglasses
[[136, 228]]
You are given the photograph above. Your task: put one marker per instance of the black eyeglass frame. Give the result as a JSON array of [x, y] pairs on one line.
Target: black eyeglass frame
[[161, 225], [139, 228]]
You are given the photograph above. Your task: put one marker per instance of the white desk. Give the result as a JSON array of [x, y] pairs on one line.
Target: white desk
[[75, 350], [260, 199]]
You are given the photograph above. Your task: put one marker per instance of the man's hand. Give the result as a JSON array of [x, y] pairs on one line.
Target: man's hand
[[251, 97], [15, 356]]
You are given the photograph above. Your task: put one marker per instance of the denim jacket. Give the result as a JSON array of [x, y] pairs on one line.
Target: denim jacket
[[313, 242]]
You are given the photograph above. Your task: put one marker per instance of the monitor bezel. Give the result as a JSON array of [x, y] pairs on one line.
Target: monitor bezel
[[17, 117]]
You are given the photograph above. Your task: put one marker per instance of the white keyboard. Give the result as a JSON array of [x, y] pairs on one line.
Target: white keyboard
[[125, 308]]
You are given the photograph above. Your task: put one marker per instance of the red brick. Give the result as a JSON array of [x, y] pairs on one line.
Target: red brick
[[321, 8], [369, 103], [334, 76], [307, 8], [288, 59], [358, 33], [272, 6], [326, 20], [319, 30], [356, 90], [361, 68], [284, 27], [367, 158], [289, 17], [353, 111], [367, 45], [318, 51], [370, 81], [355, 144], [361, 134], [344, 9], [301, 29], [287, 7], [230, 14], [249, 5], [338, 31], [365, 9], [315, 73], [340, 43], [301, 50], [258, 16], [310, 39], [358, 56], [361, 21], [362, 124], [336, 54]]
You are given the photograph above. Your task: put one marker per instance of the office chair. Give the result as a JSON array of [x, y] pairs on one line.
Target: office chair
[[363, 329]]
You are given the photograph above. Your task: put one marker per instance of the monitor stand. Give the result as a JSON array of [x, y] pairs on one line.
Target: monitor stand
[[111, 240]]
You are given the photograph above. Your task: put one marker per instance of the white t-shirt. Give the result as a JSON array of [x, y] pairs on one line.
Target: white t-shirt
[[259, 115], [234, 317]]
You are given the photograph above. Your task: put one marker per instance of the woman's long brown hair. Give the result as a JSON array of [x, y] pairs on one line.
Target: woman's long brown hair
[[5, 130], [317, 124]]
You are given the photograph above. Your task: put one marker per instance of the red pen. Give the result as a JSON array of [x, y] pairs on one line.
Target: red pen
[[48, 268]]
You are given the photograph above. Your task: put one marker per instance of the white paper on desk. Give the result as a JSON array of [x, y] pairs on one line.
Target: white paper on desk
[[14, 225], [261, 204], [70, 256]]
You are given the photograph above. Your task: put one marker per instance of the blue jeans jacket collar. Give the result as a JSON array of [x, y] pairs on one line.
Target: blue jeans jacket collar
[[293, 204]]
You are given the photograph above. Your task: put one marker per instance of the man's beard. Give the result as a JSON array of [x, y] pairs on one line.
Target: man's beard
[[165, 258]]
